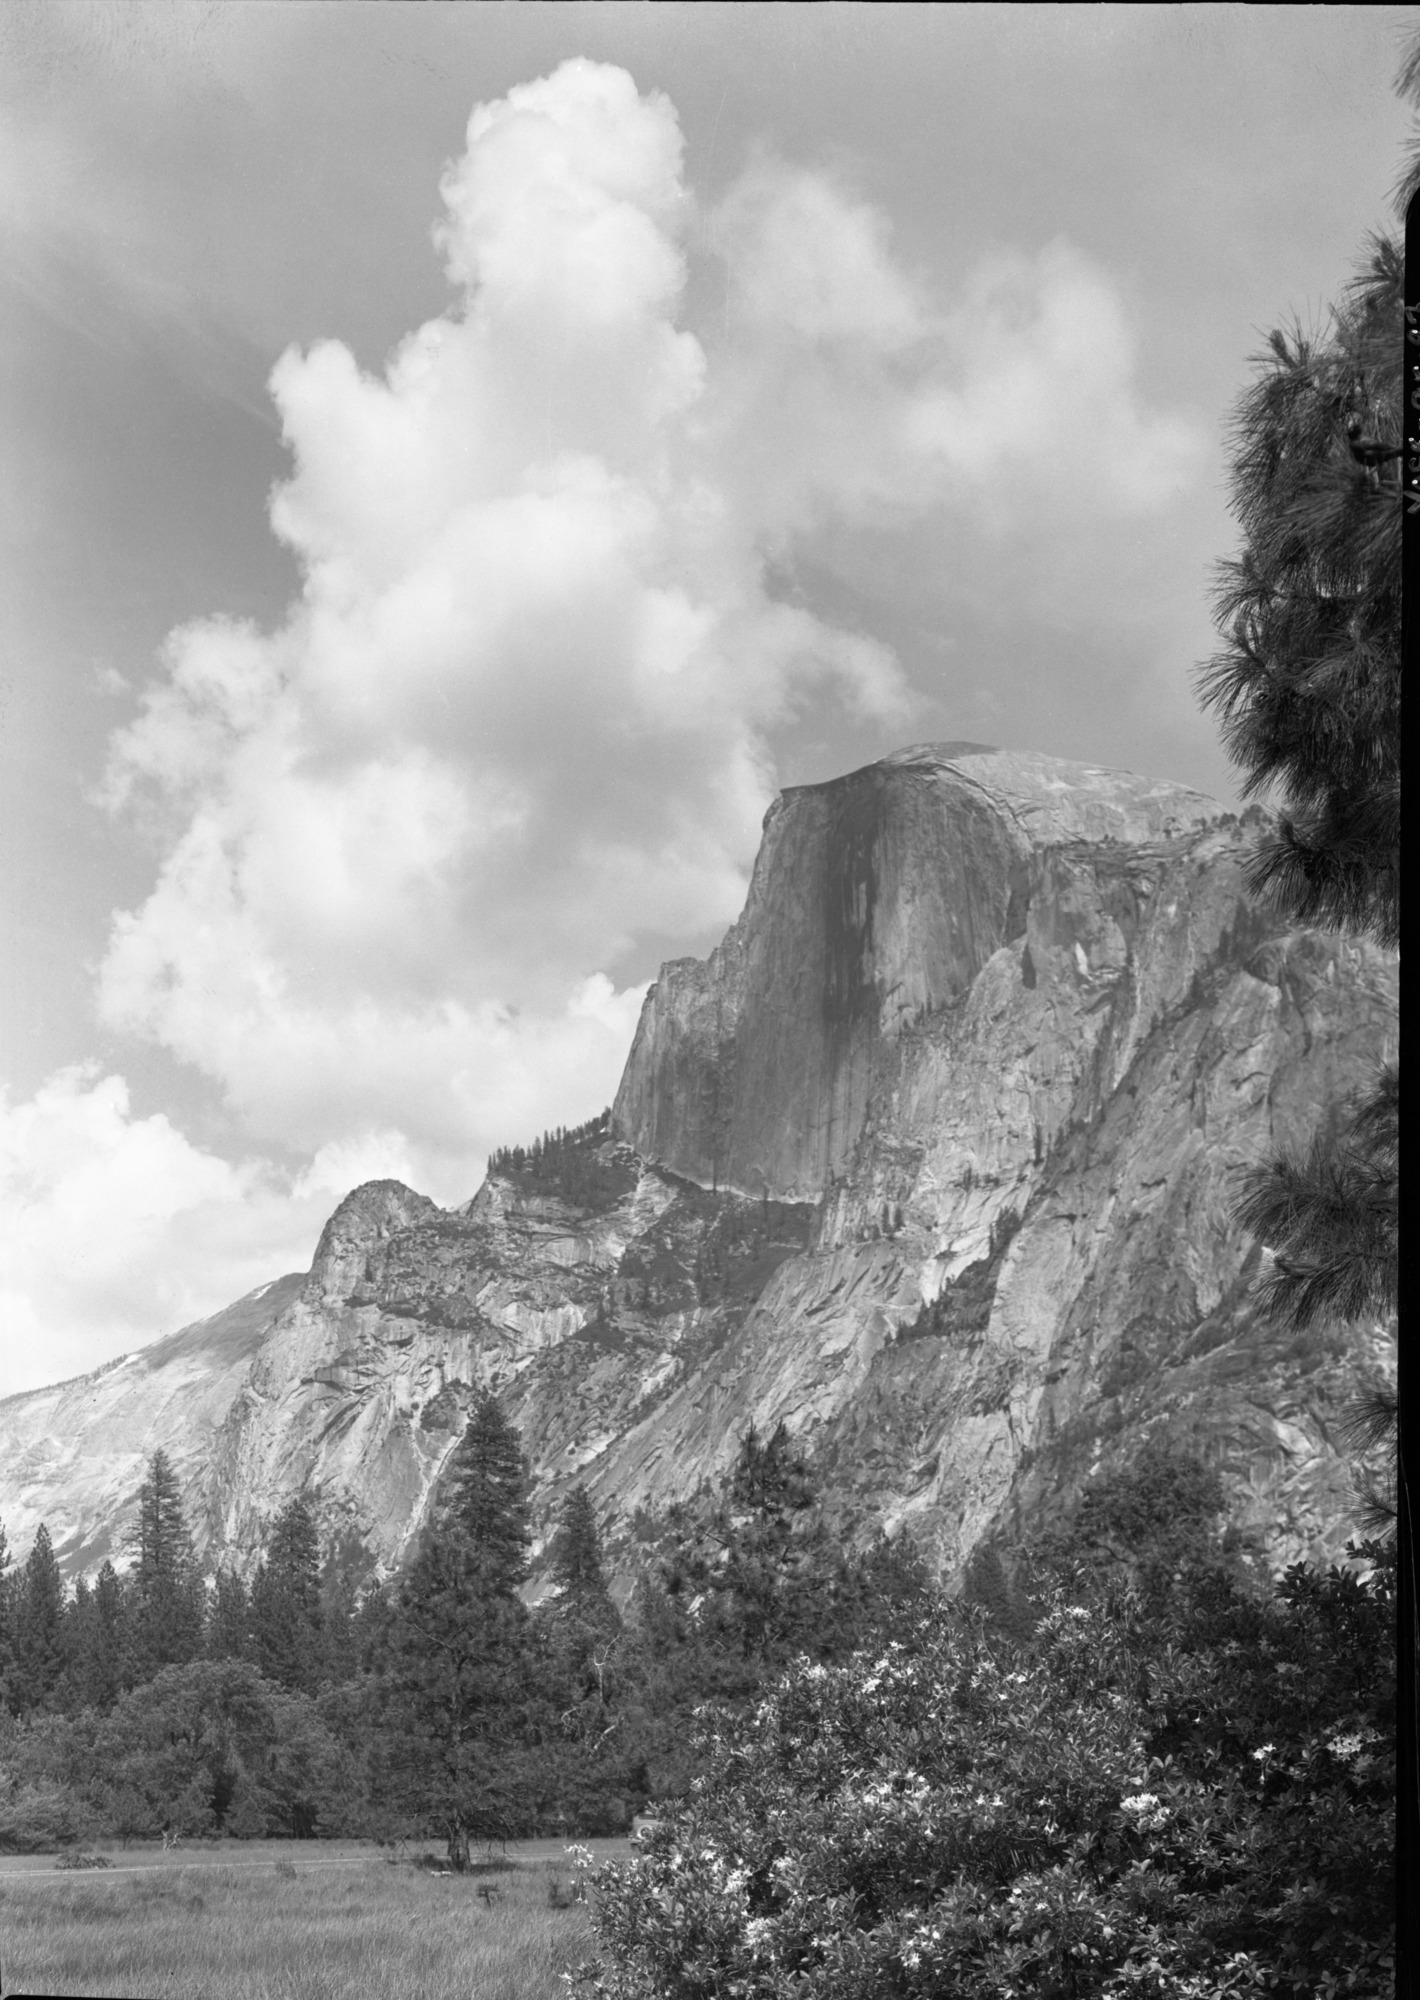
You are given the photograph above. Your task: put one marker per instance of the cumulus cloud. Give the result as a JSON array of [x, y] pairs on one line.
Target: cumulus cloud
[[524, 714], [848, 387], [117, 1229]]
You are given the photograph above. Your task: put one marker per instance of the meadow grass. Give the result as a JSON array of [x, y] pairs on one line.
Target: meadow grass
[[296, 1926]]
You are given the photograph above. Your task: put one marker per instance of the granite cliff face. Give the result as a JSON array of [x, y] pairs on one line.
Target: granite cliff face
[[932, 1159]]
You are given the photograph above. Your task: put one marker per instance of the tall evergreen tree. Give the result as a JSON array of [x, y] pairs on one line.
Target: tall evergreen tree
[[166, 1588], [76, 1642], [103, 1667], [228, 1619], [285, 1601], [7, 1660], [484, 1496], [760, 1577], [457, 1663], [92, 1637], [38, 1639], [1308, 684], [577, 1560], [764, 1560], [581, 1626], [1308, 689]]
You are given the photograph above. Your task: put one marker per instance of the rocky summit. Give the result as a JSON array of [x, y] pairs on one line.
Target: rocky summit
[[932, 1159]]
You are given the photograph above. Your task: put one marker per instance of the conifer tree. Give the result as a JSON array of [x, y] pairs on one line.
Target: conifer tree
[[1308, 684], [1308, 688], [484, 1496], [285, 1601], [577, 1559], [228, 1619], [76, 1643], [770, 1578], [340, 1645], [457, 1669], [6, 1621], [103, 1668], [166, 1623], [92, 1638], [581, 1626], [38, 1639]]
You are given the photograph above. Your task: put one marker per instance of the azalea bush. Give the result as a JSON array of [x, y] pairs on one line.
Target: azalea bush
[[1197, 1804]]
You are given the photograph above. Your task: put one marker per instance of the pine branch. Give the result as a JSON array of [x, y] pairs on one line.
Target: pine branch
[[1322, 873], [1332, 1219]]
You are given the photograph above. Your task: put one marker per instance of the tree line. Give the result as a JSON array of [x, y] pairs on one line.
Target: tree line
[[573, 1162], [155, 1699]]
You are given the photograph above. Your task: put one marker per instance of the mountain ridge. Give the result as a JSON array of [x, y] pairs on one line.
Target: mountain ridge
[[932, 1158]]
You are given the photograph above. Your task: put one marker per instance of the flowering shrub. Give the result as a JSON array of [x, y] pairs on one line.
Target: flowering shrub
[[1118, 1808]]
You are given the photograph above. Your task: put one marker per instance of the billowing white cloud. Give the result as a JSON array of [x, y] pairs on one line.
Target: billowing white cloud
[[117, 1229], [848, 387], [524, 711]]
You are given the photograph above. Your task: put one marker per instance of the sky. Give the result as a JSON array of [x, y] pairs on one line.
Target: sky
[[462, 460]]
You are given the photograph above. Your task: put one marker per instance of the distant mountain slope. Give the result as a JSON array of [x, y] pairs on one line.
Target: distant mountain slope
[[933, 1159], [73, 1455]]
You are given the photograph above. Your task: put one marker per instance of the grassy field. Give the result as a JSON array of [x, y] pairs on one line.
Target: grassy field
[[291, 1921]]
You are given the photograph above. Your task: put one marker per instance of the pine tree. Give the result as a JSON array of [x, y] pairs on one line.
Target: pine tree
[[770, 1579], [1308, 688], [228, 1619], [166, 1623], [103, 1679], [285, 1601], [457, 1669], [577, 1559], [92, 1638], [340, 1645], [7, 1660], [38, 1636], [76, 1643], [580, 1628], [483, 1496]]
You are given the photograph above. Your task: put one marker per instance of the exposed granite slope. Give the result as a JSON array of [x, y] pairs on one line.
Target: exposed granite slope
[[74, 1455], [875, 899], [932, 1159]]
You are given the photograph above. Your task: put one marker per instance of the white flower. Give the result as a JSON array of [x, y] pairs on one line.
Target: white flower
[[1148, 1814], [1348, 1745], [1260, 1756]]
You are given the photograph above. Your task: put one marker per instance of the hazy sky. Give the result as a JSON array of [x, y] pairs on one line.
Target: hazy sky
[[462, 460]]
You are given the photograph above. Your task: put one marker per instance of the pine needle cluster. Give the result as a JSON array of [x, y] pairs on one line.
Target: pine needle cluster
[[1308, 684]]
